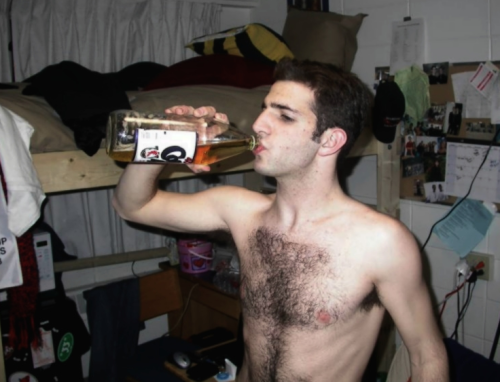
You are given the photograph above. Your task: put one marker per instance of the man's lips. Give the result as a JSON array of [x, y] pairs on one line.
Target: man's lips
[[258, 149]]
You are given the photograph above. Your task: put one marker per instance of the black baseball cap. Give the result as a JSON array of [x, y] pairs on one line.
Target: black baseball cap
[[388, 110]]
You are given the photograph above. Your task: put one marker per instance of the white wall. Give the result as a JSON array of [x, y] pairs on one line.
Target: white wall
[[271, 13], [456, 31], [234, 17]]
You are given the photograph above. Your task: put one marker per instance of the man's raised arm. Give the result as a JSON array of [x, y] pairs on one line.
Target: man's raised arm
[[137, 197]]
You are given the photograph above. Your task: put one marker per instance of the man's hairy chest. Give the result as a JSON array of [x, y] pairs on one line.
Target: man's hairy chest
[[289, 284]]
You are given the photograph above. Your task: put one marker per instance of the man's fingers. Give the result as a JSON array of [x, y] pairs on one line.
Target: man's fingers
[[221, 117], [180, 109], [203, 111], [211, 112], [198, 168]]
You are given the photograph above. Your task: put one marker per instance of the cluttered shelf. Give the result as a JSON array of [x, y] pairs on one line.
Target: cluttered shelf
[[449, 149]]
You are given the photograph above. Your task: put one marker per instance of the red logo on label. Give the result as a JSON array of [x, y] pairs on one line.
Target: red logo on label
[[150, 153]]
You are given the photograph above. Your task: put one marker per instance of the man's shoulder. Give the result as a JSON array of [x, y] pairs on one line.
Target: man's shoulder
[[377, 243], [382, 229], [387, 243]]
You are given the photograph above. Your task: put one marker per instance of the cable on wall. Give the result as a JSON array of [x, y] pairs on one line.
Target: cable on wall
[[470, 279], [448, 296], [408, 5], [170, 330], [462, 310]]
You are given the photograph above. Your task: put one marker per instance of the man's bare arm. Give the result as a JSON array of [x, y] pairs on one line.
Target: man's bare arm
[[404, 294], [137, 197]]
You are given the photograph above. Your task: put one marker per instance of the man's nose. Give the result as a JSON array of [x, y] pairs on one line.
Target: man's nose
[[260, 125]]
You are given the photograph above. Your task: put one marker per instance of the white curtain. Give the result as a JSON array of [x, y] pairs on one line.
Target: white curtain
[[5, 56], [105, 36]]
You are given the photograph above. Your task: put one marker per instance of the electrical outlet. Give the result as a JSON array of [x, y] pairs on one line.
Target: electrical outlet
[[475, 258]]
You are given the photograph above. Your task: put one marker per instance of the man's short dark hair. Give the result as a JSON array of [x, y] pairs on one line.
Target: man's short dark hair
[[341, 99]]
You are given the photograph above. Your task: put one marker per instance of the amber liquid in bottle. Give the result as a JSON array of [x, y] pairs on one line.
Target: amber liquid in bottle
[[205, 154]]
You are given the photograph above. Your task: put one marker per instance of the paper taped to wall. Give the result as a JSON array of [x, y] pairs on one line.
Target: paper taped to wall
[[462, 163], [407, 47]]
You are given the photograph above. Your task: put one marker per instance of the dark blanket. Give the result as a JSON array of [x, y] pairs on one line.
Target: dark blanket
[[113, 312], [469, 366], [84, 98]]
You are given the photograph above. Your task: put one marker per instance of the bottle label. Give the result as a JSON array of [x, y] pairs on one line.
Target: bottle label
[[170, 146]]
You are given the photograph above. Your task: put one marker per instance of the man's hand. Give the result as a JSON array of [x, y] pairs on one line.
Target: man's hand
[[204, 111]]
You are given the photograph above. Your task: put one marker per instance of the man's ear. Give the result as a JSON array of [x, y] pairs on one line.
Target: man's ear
[[332, 140]]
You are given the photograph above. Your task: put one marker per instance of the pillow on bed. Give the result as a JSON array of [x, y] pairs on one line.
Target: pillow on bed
[[323, 36], [254, 41], [215, 70]]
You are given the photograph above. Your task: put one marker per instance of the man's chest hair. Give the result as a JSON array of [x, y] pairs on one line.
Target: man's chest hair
[[297, 284]]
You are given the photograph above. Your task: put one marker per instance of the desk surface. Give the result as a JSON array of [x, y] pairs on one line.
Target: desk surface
[[182, 373]]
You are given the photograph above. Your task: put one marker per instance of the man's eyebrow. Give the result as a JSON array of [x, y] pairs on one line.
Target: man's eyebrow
[[280, 107]]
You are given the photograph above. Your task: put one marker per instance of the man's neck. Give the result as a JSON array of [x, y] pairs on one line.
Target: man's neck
[[301, 201]]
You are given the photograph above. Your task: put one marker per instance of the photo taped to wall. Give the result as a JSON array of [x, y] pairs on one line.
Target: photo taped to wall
[[478, 128], [434, 192], [418, 187], [453, 118], [434, 120], [426, 147], [412, 167], [437, 72]]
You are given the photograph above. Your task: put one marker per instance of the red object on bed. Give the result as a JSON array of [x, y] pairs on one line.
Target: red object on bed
[[214, 69]]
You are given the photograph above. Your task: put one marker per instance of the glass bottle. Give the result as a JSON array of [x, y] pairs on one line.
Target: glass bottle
[[133, 136]]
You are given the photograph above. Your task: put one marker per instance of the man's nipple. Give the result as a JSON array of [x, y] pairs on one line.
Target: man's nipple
[[324, 317]]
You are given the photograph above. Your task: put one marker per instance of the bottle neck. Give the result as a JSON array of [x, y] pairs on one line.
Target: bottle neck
[[253, 142]]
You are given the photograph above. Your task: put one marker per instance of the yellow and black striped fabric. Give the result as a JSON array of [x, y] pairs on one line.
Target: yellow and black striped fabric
[[254, 41]]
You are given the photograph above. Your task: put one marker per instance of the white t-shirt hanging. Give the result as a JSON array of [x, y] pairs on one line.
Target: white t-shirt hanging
[[10, 265]]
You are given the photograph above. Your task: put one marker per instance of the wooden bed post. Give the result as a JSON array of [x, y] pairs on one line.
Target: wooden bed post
[[388, 189], [388, 178]]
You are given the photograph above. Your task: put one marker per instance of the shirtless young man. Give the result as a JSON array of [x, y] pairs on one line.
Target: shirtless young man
[[318, 269]]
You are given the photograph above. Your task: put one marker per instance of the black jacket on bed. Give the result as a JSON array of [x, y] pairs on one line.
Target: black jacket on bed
[[84, 98]]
